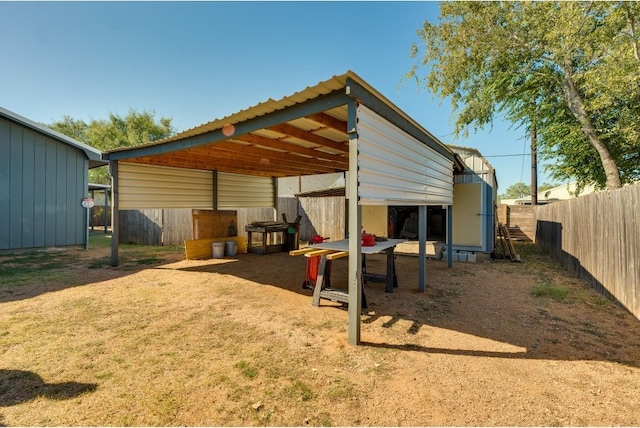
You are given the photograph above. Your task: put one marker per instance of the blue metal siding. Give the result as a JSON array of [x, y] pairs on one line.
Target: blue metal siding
[[50, 194], [15, 188], [39, 192], [28, 187], [490, 231], [61, 194], [5, 184], [42, 181]]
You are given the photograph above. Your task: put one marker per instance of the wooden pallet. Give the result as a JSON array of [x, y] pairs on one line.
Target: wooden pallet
[[504, 240], [507, 244]]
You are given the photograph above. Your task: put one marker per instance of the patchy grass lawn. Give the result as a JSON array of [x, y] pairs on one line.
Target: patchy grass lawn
[[234, 342]]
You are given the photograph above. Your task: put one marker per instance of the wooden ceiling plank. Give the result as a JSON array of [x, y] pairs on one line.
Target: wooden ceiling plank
[[258, 161], [290, 147], [235, 167], [284, 156], [330, 121], [292, 131], [214, 158]]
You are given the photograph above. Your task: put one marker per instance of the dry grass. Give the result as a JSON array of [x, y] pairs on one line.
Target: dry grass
[[163, 342]]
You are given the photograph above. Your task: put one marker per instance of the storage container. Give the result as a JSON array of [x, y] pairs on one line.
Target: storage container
[[231, 247], [217, 250]]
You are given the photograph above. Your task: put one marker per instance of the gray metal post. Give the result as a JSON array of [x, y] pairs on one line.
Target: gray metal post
[[449, 235], [86, 238], [115, 219], [422, 247], [355, 234], [106, 209]]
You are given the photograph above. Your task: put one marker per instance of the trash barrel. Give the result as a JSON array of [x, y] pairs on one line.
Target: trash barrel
[[217, 250], [292, 238], [231, 247]]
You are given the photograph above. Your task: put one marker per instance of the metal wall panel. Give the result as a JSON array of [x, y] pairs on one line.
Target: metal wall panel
[[5, 182], [244, 191], [479, 170], [145, 186], [42, 182], [394, 168]]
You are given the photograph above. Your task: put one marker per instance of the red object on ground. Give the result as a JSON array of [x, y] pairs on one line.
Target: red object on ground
[[313, 263], [311, 275]]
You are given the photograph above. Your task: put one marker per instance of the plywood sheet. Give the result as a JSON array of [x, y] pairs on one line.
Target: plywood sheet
[[208, 224]]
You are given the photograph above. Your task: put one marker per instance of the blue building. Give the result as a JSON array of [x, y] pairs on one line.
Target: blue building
[[43, 178]]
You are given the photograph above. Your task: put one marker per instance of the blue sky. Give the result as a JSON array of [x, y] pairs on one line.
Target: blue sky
[[198, 61]]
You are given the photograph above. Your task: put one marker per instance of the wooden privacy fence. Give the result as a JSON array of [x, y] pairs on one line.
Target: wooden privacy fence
[[174, 226], [319, 215], [597, 237], [519, 219], [155, 226]]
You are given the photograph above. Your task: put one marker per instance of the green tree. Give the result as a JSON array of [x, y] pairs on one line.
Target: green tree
[[570, 68], [517, 190], [546, 186], [115, 132]]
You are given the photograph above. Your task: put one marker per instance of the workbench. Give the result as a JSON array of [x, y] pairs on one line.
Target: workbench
[[338, 249], [266, 237]]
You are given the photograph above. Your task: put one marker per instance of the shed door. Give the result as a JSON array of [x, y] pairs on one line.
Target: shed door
[[467, 214]]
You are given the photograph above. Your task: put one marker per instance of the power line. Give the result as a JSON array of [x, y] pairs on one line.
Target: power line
[[506, 155], [524, 150]]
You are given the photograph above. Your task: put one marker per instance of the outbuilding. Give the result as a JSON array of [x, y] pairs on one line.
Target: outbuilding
[[339, 125], [43, 181]]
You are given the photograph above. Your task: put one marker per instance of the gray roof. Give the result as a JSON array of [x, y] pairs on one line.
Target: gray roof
[[94, 155]]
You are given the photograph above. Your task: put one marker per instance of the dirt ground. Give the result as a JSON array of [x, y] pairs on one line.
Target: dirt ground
[[478, 348]]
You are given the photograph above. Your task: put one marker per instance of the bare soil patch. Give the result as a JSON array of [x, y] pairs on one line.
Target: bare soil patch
[[235, 341]]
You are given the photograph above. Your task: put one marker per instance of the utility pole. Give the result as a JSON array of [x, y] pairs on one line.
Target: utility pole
[[534, 165]]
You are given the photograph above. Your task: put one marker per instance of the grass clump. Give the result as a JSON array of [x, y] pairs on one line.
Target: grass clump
[[246, 369], [299, 390], [340, 389], [546, 288]]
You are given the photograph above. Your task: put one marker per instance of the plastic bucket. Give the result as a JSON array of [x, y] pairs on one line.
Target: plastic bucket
[[217, 250], [231, 247]]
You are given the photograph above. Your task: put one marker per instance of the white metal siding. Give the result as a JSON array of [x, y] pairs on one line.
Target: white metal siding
[[144, 186], [480, 171], [244, 191], [394, 168]]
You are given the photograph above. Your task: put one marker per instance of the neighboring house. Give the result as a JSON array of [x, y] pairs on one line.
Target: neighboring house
[[559, 193], [43, 178]]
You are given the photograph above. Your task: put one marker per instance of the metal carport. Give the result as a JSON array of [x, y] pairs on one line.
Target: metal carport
[[339, 125]]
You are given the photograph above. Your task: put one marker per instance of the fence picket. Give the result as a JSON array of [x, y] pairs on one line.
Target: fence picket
[[597, 237]]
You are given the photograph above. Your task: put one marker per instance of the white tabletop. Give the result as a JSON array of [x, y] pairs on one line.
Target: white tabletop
[[343, 245]]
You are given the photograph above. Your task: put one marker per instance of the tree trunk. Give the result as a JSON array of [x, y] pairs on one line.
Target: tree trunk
[[576, 106]]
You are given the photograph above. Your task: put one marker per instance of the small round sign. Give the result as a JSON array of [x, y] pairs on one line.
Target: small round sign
[[87, 202]]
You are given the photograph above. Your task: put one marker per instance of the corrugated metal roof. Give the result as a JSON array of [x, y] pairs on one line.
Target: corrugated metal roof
[[270, 106], [94, 155], [311, 143]]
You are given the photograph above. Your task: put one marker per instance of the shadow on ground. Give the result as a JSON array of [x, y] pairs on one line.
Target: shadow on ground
[[19, 386]]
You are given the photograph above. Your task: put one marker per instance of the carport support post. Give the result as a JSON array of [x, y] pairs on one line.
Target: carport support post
[[113, 166], [355, 234], [422, 247], [106, 209], [449, 235]]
